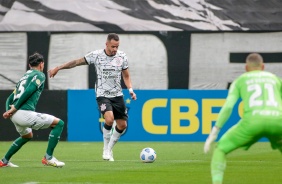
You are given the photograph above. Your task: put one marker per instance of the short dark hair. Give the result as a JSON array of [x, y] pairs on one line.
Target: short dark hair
[[112, 36], [35, 59], [254, 57]]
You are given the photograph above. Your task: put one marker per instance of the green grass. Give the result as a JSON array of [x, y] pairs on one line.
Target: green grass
[[177, 162]]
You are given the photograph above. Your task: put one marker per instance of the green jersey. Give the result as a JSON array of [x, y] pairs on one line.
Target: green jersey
[[28, 91], [260, 92]]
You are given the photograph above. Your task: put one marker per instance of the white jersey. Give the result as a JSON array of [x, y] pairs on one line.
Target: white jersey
[[108, 69]]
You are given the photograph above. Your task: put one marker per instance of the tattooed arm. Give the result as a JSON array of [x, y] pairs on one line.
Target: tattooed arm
[[52, 72]]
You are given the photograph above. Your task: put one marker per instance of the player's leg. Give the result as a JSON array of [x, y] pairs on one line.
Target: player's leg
[[57, 126], [120, 114], [117, 131], [109, 119], [106, 110], [15, 147], [21, 121], [243, 134], [218, 165], [42, 121], [54, 136], [274, 133], [218, 162]]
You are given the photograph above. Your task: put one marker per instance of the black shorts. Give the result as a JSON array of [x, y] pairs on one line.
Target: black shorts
[[115, 104]]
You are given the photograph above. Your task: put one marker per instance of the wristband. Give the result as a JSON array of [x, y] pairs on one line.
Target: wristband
[[130, 90]]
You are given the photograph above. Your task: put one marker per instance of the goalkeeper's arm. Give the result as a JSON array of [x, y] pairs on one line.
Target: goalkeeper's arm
[[223, 116]]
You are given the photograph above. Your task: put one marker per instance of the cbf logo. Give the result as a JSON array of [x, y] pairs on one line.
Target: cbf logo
[[101, 119]]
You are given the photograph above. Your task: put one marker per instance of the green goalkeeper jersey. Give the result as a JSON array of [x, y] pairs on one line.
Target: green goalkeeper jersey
[[28, 91], [260, 92]]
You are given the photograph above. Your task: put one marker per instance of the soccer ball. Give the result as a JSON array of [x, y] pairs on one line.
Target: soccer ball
[[148, 155]]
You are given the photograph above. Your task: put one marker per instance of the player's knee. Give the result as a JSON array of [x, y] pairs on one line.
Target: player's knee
[[109, 121], [220, 151], [124, 126], [28, 136], [60, 124]]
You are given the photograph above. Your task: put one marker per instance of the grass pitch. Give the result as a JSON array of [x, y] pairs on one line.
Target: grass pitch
[[177, 162]]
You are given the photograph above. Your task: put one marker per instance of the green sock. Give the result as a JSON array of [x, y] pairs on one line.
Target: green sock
[[54, 137], [17, 144], [218, 165]]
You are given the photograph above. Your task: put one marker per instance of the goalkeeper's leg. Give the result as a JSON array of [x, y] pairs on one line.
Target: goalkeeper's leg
[[218, 165]]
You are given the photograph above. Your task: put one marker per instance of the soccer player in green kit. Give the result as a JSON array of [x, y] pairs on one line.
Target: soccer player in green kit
[[20, 107], [260, 92]]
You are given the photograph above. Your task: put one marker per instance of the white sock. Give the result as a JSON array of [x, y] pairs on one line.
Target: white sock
[[106, 137], [114, 138]]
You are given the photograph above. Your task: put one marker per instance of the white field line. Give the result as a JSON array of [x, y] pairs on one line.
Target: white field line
[[167, 161], [34, 182]]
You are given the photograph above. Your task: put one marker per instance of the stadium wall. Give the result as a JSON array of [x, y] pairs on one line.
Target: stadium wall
[[158, 61], [169, 60]]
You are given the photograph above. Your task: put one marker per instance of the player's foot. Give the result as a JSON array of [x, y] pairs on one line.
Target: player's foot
[[9, 164], [53, 162], [104, 156], [111, 159], [108, 155]]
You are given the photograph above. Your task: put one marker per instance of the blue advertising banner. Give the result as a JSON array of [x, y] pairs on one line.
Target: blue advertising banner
[[157, 115]]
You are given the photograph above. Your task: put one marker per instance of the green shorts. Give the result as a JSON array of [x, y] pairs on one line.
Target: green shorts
[[248, 131]]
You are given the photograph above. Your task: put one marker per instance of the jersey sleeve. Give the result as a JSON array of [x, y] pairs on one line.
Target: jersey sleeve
[[9, 100], [91, 57], [33, 85], [125, 62], [226, 110]]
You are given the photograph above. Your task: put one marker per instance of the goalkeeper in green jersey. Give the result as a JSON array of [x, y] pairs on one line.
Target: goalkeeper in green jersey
[[20, 107], [260, 92]]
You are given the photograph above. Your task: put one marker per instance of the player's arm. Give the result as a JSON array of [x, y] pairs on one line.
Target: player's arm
[[28, 91], [226, 110], [9, 100], [127, 82], [71, 64], [12, 108], [223, 116]]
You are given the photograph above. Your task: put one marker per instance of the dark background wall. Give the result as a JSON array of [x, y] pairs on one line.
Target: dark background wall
[[177, 44]]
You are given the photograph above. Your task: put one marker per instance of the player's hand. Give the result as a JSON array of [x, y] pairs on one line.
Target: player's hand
[[133, 95], [52, 72], [9, 112], [211, 138]]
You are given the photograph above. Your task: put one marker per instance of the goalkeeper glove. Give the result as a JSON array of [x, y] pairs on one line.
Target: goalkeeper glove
[[211, 138]]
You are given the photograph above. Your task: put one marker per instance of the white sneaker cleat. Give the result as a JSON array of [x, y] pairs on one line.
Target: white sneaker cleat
[[9, 164], [53, 162], [106, 154], [111, 156]]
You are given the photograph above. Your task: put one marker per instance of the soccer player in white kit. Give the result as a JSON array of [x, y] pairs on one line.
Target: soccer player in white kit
[[109, 63]]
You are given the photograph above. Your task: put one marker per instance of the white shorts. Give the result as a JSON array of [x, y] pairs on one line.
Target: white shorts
[[25, 121]]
